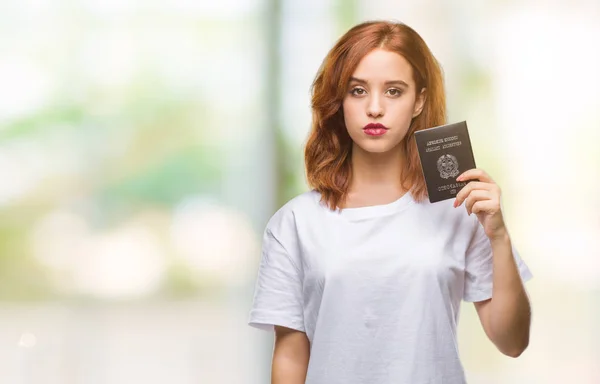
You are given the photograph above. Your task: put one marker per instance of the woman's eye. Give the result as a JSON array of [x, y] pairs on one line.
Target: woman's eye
[[358, 91], [394, 92]]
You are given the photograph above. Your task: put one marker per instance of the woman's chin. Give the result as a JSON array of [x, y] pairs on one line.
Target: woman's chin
[[376, 147]]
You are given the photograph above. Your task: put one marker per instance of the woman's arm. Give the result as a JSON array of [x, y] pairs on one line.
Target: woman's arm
[[506, 318], [290, 356]]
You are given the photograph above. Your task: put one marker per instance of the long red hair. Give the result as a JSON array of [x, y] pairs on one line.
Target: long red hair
[[328, 150]]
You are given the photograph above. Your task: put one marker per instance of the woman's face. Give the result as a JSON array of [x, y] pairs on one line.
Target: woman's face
[[381, 101]]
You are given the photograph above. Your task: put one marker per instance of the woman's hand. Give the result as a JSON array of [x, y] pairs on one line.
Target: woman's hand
[[482, 198]]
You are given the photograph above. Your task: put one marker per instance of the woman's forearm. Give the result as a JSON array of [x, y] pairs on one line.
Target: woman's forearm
[[290, 357], [286, 370], [510, 312]]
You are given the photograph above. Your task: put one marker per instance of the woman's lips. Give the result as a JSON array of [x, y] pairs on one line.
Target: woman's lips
[[375, 129]]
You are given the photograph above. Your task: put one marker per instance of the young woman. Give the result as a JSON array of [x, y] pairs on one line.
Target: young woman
[[362, 277]]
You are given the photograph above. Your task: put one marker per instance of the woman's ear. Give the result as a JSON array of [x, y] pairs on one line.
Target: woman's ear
[[420, 102]]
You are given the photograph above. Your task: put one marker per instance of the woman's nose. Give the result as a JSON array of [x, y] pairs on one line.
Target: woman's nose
[[375, 108]]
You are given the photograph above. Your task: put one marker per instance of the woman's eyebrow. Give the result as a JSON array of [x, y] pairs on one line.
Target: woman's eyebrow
[[397, 82], [389, 82]]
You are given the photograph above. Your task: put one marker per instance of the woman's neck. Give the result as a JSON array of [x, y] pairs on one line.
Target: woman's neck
[[376, 177]]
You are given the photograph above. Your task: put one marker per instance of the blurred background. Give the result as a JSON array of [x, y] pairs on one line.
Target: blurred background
[[145, 144]]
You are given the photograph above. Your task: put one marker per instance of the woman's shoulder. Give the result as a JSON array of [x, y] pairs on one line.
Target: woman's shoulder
[[300, 205], [306, 200]]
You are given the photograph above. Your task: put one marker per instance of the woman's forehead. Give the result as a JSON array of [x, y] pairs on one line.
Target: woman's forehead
[[383, 66]]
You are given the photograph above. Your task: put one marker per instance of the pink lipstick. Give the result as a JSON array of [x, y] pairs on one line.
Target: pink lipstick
[[374, 129]]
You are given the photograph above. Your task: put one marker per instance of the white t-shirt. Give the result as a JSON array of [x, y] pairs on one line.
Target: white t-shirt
[[376, 289]]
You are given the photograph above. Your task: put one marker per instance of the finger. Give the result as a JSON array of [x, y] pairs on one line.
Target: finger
[[476, 196], [471, 186], [475, 173], [486, 206]]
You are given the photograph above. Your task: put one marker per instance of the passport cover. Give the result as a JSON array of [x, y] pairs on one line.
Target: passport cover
[[445, 153]]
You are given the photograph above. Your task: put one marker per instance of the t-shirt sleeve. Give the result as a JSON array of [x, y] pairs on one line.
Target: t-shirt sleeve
[[479, 267], [278, 290]]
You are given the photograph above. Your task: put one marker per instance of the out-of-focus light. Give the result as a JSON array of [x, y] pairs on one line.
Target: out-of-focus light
[[25, 87], [560, 246], [546, 106], [214, 240], [110, 58], [27, 340], [22, 166], [57, 238], [25, 163], [206, 9], [124, 263]]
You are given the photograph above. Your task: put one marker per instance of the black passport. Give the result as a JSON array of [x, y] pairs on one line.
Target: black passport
[[445, 153]]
